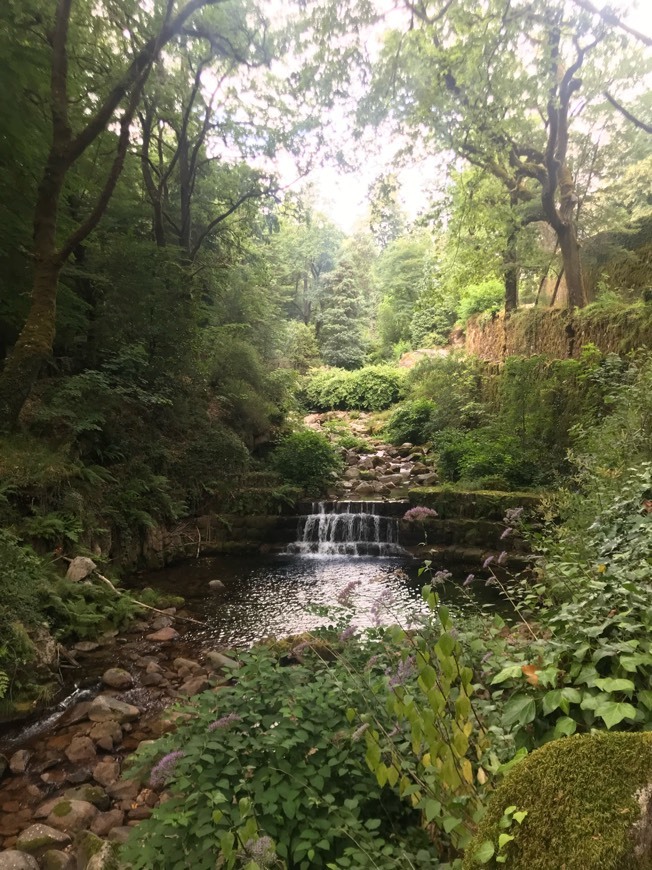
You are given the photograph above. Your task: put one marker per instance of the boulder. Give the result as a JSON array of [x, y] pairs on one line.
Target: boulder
[[105, 859], [117, 678], [19, 761], [187, 664], [105, 707], [194, 686], [588, 800], [117, 835], [106, 772], [54, 859], [71, 815], [81, 750], [107, 734], [215, 584], [14, 860], [38, 838], [105, 822], [91, 793], [80, 568], [163, 635], [218, 661]]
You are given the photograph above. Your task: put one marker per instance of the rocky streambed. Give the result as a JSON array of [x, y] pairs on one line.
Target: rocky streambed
[[63, 800]]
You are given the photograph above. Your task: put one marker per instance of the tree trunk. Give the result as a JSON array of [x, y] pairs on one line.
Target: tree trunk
[[570, 253], [511, 272]]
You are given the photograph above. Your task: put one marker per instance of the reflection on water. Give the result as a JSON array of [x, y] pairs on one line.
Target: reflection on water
[[278, 596]]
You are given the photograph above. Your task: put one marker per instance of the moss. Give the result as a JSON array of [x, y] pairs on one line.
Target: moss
[[62, 809], [580, 794], [453, 503]]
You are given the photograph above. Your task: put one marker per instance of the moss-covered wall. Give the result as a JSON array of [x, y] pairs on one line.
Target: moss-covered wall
[[558, 333]]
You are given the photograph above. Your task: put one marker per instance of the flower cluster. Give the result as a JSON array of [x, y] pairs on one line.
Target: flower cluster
[[402, 673], [224, 722], [512, 516], [348, 632], [419, 513], [261, 851], [344, 595], [381, 603], [440, 577], [164, 769]]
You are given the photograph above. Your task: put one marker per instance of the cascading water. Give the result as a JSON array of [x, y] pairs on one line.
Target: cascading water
[[349, 528]]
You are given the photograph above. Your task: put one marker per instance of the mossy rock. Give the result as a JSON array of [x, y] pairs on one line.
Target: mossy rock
[[452, 503], [589, 806]]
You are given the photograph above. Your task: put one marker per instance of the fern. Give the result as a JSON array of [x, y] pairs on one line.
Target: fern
[[4, 683]]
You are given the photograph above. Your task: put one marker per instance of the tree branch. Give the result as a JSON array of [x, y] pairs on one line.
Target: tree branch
[[627, 114]]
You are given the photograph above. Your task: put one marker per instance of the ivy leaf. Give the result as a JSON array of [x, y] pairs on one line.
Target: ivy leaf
[[521, 709], [484, 853], [612, 684], [614, 712]]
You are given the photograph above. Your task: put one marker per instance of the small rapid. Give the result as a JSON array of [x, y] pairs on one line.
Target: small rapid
[[349, 528]]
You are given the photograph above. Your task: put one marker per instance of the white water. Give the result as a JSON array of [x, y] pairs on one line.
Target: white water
[[348, 528]]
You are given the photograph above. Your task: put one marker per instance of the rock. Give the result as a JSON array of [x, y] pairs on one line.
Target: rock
[[53, 859], [14, 860], [117, 835], [588, 800], [107, 734], [215, 584], [153, 667], [161, 622], [81, 749], [152, 679], [19, 761], [105, 859], [427, 479], [106, 772], [86, 646], [38, 838], [91, 793], [164, 635], [80, 568], [117, 678], [87, 845], [78, 713], [71, 815], [104, 707], [123, 790], [352, 473], [218, 661], [78, 775], [194, 686], [105, 822], [192, 667], [46, 648]]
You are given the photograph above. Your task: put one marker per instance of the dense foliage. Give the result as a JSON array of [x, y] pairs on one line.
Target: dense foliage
[[306, 459], [369, 389]]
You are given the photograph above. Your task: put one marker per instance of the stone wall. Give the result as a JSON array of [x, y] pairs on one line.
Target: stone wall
[[558, 333]]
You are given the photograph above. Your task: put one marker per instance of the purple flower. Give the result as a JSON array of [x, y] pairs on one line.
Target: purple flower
[[441, 577], [299, 648], [506, 534], [373, 661], [512, 516], [261, 850], [486, 657], [385, 600], [502, 558], [419, 513], [344, 595], [348, 632], [404, 670], [487, 561], [469, 580], [224, 722], [164, 769]]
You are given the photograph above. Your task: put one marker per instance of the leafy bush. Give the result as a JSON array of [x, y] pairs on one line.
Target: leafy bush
[[307, 459], [488, 296], [23, 588], [487, 453], [272, 772], [454, 383], [412, 421], [368, 389]]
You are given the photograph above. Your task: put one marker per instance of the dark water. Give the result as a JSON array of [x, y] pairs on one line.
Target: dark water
[[279, 596]]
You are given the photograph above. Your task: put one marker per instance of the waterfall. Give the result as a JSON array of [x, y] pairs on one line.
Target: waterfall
[[348, 528]]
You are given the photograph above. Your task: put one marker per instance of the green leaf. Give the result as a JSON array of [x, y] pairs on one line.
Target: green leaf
[[484, 853], [565, 726], [520, 709], [504, 839], [612, 684], [432, 809], [612, 712], [509, 673], [519, 816]]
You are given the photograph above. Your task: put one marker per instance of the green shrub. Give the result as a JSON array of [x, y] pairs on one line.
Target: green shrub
[[368, 389], [307, 459], [488, 296], [411, 421], [454, 383], [488, 453], [275, 765]]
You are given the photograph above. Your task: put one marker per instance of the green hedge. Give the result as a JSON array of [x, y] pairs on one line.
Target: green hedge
[[368, 389]]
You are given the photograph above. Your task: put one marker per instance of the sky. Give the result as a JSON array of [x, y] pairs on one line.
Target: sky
[[342, 196]]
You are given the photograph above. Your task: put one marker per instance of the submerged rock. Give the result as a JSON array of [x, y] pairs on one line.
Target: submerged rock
[[105, 707]]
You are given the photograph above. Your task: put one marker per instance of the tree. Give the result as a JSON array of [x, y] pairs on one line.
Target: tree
[[500, 86], [341, 336], [90, 104]]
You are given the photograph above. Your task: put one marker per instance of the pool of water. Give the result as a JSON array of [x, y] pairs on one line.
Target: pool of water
[[285, 595]]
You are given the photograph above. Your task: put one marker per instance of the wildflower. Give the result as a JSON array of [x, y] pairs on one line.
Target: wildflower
[[404, 670], [373, 661], [441, 577], [384, 601], [261, 850], [164, 769], [502, 558], [506, 534], [357, 734], [512, 516], [344, 595], [348, 632], [419, 513], [224, 722], [469, 580], [487, 561], [486, 657], [299, 648]]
